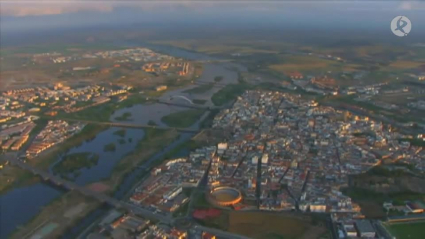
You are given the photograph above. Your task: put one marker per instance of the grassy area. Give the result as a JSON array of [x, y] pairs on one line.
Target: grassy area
[[104, 111], [182, 119], [109, 147], [209, 120], [218, 78], [181, 211], [88, 132], [371, 201], [309, 63], [404, 64], [365, 194], [198, 101], [120, 132], [12, 176], [200, 89], [228, 93], [152, 123], [64, 211], [65, 49], [124, 116], [72, 163], [221, 222], [350, 101], [121, 141], [272, 225], [407, 230], [154, 141], [385, 172], [189, 145]]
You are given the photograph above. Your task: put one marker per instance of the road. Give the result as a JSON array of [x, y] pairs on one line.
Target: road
[[110, 200]]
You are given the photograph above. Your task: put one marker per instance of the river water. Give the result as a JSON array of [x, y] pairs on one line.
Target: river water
[[19, 205]]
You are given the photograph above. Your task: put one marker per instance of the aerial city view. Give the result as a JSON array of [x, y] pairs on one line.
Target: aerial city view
[[212, 119]]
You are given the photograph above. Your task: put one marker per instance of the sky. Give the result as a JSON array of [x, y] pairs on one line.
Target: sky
[[38, 15]]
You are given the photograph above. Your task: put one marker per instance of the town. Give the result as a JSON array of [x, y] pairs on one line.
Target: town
[[286, 154]]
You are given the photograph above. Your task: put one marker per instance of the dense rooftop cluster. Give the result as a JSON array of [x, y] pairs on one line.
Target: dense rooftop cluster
[[286, 153]]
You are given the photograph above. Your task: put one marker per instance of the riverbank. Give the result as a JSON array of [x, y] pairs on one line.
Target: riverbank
[[12, 176], [45, 159], [70, 165], [154, 141], [56, 217], [182, 119], [104, 111]]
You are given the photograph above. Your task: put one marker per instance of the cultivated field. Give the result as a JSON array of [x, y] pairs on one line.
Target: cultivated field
[[309, 63]]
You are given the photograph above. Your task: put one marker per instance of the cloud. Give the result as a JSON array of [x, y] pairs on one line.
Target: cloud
[[411, 5], [20, 8], [43, 7], [406, 6]]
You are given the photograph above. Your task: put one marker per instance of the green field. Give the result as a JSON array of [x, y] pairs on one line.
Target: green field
[[153, 141], [109, 147], [120, 132], [228, 93], [271, 225], [74, 162], [407, 230], [104, 111], [199, 102], [124, 116], [182, 119], [310, 63]]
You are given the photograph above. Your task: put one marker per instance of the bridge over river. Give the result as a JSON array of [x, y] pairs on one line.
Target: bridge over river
[[87, 192], [129, 125], [68, 185]]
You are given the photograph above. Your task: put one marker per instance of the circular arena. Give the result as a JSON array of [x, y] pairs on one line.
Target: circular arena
[[224, 196]]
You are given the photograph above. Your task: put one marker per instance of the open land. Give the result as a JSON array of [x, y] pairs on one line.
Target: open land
[[58, 216], [268, 225], [72, 163], [407, 230], [182, 119]]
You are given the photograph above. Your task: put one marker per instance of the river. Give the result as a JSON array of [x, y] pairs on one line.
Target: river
[[20, 205]]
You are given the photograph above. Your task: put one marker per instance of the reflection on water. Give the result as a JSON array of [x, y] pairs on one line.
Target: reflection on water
[[20, 205], [107, 160], [142, 114]]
